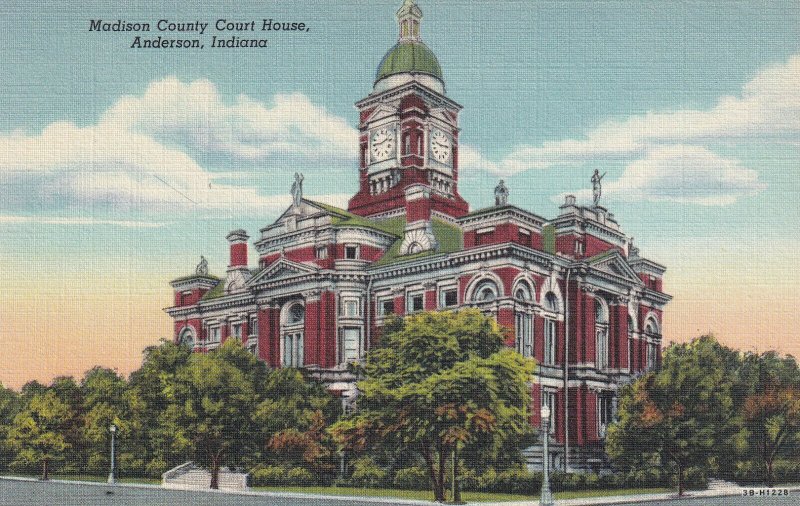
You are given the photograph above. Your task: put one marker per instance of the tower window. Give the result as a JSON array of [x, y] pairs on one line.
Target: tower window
[[351, 252]]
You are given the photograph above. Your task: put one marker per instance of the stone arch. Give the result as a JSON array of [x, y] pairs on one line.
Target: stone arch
[[187, 336], [480, 282], [525, 282]]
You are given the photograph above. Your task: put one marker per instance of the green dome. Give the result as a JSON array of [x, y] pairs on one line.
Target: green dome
[[409, 56]]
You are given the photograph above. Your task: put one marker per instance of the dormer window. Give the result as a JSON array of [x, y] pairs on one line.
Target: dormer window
[[351, 251]]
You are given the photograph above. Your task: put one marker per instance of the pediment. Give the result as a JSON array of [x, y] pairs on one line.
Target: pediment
[[306, 208], [442, 114], [282, 269], [614, 263], [381, 111]]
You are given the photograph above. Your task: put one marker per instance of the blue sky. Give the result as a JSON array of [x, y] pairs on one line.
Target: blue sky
[[693, 109]]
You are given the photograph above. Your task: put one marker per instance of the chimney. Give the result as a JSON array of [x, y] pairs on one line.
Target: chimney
[[238, 246]]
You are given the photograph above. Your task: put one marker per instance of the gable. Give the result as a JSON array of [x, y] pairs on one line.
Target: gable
[[282, 269], [612, 262]]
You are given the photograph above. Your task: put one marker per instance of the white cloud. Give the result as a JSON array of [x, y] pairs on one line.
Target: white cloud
[[686, 174], [135, 159], [767, 110]]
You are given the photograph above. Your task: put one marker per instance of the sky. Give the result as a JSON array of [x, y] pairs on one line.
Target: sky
[[119, 167]]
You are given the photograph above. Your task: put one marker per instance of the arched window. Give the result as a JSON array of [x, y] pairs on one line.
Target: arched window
[[601, 333], [523, 292], [652, 336], [551, 305], [415, 247], [187, 337], [292, 323], [630, 343], [551, 302], [486, 291]]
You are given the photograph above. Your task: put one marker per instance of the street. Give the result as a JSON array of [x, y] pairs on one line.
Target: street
[[34, 493], [793, 498]]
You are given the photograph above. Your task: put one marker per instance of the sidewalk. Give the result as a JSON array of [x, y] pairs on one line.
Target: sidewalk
[[622, 499], [733, 490]]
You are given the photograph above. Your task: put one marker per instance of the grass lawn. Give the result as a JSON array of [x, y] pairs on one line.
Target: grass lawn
[[427, 495]]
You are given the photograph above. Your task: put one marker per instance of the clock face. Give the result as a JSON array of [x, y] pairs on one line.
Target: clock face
[[382, 144], [440, 146]]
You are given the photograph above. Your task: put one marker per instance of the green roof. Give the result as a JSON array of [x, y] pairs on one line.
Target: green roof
[[344, 218], [217, 291], [549, 239], [449, 236], [409, 56]]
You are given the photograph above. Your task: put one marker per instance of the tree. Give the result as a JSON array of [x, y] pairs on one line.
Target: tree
[[103, 404], [10, 405], [439, 379], [38, 431], [292, 420], [771, 408], [678, 413], [149, 440], [212, 404]]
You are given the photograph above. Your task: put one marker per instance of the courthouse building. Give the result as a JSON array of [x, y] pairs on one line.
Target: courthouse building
[[573, 289]]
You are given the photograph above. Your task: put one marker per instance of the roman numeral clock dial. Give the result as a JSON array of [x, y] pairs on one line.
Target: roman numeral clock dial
[[382, 144], [440, 146]]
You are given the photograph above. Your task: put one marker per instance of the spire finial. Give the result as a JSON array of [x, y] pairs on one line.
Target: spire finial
[[408, 17]]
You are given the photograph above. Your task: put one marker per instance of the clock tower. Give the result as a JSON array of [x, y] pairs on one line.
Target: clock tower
[[408, 130]]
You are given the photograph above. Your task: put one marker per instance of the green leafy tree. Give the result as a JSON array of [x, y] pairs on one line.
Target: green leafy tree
[[439, 380], [292, 420], [678, 414], [103, 404], [10, 405], [212, 404], [147, 441], [38, 431], [771, 408]]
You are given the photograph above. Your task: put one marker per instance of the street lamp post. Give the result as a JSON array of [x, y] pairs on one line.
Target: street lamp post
[[113, 430], [546, 497]]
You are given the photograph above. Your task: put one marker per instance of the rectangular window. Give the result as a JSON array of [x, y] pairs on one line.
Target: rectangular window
[[386, 307], [416, 302], [351, 252], [652, 355], [602, 348], [350, 308], [185, 297], [549, 400], [350, 345], [448, 297], [236, 331], [214, 335], [292, 349], [524, 335], [549, 341], [322, 252], [482, 238], [253, 327], [605, 412]]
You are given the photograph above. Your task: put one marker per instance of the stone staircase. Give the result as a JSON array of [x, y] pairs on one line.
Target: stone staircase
[[189, 476], [717, 484]]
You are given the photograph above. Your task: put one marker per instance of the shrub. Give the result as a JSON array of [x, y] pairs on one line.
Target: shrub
[[517, 480], [694, 478], [367, 473], [414, 478], [269, 476], [299, 476]]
